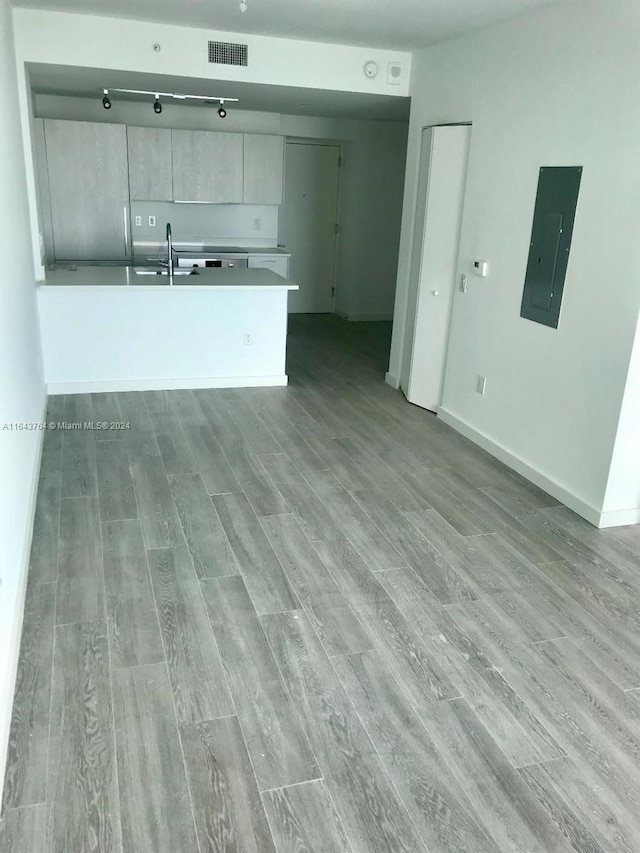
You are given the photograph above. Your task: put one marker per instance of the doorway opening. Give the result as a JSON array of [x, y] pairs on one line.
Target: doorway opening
[[309, 223]]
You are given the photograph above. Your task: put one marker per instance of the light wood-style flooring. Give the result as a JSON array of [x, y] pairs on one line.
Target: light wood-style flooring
[[315, 618]]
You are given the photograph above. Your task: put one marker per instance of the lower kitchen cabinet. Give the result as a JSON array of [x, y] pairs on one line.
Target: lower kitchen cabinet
[[89, 190], [276, 263]]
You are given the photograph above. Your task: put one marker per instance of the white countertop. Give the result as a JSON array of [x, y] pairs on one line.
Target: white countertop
[[90, 278]]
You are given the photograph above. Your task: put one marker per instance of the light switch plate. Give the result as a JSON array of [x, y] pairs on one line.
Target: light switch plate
[[481, 268], [152, 222]]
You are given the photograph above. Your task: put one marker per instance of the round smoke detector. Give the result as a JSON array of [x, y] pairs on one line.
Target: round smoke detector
[[370, 69]]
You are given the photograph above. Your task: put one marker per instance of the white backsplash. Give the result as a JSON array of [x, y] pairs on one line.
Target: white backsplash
[[210, 224]]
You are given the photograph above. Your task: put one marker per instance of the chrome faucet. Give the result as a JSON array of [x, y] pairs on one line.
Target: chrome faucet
[[169, 253]]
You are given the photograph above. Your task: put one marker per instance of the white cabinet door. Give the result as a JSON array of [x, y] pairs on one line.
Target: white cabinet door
[[150, 170], [263, 169], [307, 224], [207, 166], [277, 263], [89, 189], [441, 186]]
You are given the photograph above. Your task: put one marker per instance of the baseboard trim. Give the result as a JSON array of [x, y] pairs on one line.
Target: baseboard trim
[[392, 380], [103, 385], [619, 517], [12, 652], [590, 513]]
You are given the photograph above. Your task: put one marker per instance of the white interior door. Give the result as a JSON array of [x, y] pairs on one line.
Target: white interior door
[[441, 185], [307, 225]]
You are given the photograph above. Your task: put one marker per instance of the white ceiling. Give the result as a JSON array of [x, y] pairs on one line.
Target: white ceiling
[[400, 24]]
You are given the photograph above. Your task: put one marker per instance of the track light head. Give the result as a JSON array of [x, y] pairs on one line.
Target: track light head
[[222, 112], [106, 103], [157, 106]]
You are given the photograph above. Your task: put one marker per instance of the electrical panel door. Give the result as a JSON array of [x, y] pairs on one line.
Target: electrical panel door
[[551, 234]]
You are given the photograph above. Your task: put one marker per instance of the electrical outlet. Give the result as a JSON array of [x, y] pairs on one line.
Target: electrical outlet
[[152, 222], [481, 385], [248, 339], [463, 283], [138, 221], [257, 224]]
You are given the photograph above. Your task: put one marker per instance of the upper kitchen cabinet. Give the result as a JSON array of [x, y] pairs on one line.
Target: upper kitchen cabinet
[[89, 189], [207, 166], [150, 170], [263, 169]]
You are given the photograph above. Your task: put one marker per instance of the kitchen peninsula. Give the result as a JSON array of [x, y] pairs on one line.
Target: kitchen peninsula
[[118, 328]]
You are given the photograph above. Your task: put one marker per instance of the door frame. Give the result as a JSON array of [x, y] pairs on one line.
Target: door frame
[[337, 245]]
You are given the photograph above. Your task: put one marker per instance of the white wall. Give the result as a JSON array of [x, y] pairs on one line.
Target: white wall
[[145, 337], [211, 224], [370, 192], [622, 498], [63, 38], [21, 383], [556, 87]]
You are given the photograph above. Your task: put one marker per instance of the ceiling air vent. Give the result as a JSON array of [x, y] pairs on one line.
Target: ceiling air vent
[[227, 53]]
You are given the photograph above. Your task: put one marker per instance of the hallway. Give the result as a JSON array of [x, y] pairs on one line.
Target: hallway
[[316, 618]]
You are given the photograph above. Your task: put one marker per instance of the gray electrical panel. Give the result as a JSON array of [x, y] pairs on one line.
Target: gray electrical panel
[[551, 233]]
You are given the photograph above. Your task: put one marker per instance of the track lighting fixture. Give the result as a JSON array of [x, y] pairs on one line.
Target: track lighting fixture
[[157, 106]]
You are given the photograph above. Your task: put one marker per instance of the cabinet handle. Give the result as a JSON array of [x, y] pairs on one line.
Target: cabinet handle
[[126, 230]]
